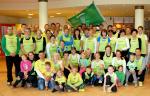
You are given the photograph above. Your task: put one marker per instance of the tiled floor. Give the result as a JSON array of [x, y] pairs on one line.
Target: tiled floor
[[89, 91]]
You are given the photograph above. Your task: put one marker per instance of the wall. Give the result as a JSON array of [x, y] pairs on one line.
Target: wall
[[8, 20], [61, 20]]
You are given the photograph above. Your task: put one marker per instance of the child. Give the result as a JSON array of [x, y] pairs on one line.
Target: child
[[131, 67], [83, 63], [97, 66], [120, 75], [74, 82], [25, 67], [110, 80], [87, 76], [60, 81], [47, 74], [74, 58]]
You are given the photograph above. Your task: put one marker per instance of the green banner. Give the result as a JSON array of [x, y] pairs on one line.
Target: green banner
[[90, 15]]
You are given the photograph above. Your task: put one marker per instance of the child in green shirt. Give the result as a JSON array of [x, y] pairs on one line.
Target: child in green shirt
[[131, 67], [60, 81], [120, 75], [74, 82]]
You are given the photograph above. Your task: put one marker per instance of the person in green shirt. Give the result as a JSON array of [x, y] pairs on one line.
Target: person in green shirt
[[77, 40], [60, 82], [134, 41], [33, 74], [141, 67], [120, 75], [40, 43], [108, 56], [11, 46], [110, 80], [74, 81], [144, 41], [131, 70], [28, 43]]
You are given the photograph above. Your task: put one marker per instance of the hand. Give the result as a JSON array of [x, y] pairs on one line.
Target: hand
[[139, 72], [60, 86]]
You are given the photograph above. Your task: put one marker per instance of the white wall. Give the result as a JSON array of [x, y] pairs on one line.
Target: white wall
[[8, 20], [61, 20]]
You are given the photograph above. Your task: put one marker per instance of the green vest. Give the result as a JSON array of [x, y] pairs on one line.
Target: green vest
[[52, 49], [144, 47], [77, 44], [113, 43], [121, 43], [74, 60], [96, 68], [134, 43], [117, 63], [139, 63], [39, 45], [103, 44], [107, 60], [11, 43], [57, 67], [90, 43], [28, 45], [66, 39], [131, 65]]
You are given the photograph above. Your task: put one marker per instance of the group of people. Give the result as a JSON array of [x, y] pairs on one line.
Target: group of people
[[69, 59]]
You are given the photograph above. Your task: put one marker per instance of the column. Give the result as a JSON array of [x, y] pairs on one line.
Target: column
[[139, 16], [43, 13]]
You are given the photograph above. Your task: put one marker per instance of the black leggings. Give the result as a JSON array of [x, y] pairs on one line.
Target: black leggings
[[141, 76], [108, 82], [66, 72]]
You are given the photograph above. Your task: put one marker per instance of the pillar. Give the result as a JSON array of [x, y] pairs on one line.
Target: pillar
[[139, 16], [43, 13]]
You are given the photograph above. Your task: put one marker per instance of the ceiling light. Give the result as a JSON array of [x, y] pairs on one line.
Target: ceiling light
[[51, 16], [30, 14], [58, 13]]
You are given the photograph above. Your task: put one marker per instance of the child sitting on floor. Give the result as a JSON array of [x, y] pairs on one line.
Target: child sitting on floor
[[87, 76], [120, 75], [60, 82], [25, 67], [74, 82], [110, 80]]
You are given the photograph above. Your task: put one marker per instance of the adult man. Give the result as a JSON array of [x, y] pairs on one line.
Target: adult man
[[11, 47]]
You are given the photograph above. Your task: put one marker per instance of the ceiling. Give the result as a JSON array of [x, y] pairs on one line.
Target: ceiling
[[106, 10]]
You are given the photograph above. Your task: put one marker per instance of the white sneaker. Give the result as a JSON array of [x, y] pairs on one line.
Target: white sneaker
[[140, 84], [126, 84], [135, 85]]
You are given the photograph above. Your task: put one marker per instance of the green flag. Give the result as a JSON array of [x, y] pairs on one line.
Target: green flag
[[90, 15]]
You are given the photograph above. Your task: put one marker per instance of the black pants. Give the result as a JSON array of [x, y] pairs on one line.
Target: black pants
[[141, 76], [108, 82], [36, 56], [33, 80], [66, 72], [21, 78], [9, 63], [101, 55]]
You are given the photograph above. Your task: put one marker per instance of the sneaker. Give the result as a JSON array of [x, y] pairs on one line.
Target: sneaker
[[140, 84], [9, 83], [126, 84], [135, 85], [54, 90], [99, 81], [81, 90], [29, 85], [69, 90]]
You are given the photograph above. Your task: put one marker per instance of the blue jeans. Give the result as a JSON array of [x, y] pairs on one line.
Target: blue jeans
[[41, 84], [95, 79]]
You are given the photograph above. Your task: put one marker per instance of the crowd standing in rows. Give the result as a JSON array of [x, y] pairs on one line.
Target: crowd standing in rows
[[69, 59]]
